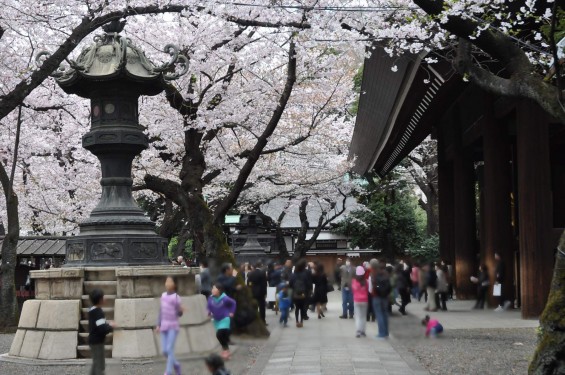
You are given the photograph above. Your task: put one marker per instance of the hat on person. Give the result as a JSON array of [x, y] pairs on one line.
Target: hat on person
[[360, 271]]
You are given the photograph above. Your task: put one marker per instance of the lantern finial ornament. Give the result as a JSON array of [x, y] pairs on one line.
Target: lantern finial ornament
[[112, 55]]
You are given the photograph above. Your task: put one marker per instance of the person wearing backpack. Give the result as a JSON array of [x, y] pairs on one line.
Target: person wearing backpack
[[380, 288], [299, 286]]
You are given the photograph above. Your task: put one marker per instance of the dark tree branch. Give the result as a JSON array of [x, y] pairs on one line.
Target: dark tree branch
[[524, 82]]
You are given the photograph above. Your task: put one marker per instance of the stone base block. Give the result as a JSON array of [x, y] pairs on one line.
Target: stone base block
[[32, 344], [30, 312], [47, 330], [58, 283], [138, 343], [145, 282], [202, 338], [16, 347], [59, 315], [59, 345], [182, 346], [136, 312]]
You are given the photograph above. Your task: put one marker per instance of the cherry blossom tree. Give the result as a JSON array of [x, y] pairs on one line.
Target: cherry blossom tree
[[262, 52]]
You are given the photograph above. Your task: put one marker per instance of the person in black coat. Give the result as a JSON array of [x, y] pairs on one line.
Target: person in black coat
[[301, 285], [320, 297], [257, 281], [403, 288], [227, 280], [482, 281]]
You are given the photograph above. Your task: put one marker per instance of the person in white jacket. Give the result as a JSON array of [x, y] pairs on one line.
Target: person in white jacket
[[442, 287]]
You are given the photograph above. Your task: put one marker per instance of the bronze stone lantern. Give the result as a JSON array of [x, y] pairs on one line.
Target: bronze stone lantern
[[113, 74]]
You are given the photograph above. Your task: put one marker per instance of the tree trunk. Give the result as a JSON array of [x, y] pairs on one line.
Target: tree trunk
[[549, 358], [8, 300], [432, 215]]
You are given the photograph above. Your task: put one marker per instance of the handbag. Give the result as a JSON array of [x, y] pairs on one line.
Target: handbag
[[497, 290]]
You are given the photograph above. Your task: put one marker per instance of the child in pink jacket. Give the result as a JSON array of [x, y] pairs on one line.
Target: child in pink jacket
[[360, 289], [433, 327]]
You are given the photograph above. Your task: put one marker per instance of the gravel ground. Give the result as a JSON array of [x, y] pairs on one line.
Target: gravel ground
[[467, 351], [244, 357]]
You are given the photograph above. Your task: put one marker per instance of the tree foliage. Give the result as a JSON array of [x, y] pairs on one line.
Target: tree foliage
[[388, 222]]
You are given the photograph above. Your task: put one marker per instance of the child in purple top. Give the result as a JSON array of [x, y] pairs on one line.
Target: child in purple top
[[222, 308], [168, 324]]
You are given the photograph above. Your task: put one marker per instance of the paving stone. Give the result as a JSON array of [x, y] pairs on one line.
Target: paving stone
[[329, 347]]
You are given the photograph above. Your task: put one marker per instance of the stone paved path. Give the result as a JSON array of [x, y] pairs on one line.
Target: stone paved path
[[329, 347]]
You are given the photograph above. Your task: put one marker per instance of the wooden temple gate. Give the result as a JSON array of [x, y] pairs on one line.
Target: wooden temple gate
[[501, 170]]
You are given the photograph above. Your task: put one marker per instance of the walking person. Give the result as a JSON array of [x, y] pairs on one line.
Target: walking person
[[299, 286], [284, 305], [346, 275], [499, 275], [205, 279], [442, 287], [227, 280], [370, 312], [380, 291], [422, 277], [415, 277], [168, 324], [337, 273], [320, 297], [257, 281], [360, 289], [431, 286], [216, 365], [482, 281], [403, 288], [221, 308], [98, 328]]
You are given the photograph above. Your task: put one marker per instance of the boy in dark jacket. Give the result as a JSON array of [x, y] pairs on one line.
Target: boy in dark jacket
[[215, 365], [98, 329]]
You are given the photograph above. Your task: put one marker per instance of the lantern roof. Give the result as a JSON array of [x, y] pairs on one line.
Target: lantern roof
[[112, 61]]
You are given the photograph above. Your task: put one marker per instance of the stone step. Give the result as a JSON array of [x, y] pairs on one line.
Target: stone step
[[108, 287], [83, 338], [99, 274], [84, 351], [110, 299]]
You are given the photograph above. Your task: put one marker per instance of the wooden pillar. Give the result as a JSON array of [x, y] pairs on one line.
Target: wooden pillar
[[496, 210], [464, 222], [534, 205], [446, 209]]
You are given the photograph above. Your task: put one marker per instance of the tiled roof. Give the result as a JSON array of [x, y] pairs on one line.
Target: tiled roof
[[40, 246]]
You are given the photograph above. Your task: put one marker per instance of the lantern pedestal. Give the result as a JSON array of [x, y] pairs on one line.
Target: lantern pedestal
[[54, 326]]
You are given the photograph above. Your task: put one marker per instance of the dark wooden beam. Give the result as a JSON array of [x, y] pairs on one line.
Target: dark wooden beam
[[446, 204], [464, 219], [496, 213], [534, 197]]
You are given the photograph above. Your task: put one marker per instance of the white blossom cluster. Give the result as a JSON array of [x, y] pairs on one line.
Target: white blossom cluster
[[57, 180]]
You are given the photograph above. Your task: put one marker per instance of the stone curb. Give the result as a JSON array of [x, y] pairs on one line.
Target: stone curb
[[83, 362]]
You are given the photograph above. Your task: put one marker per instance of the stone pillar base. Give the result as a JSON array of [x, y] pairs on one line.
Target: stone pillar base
[[55, 325]]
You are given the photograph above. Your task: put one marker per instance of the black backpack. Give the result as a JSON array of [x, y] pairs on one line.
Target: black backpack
[[381, 286], [299, 287]]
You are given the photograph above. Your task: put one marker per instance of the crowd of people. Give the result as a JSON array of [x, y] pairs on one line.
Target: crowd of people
[[368, 293]]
